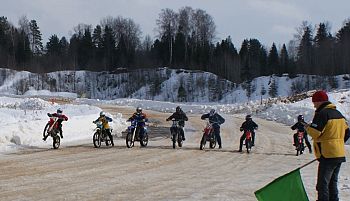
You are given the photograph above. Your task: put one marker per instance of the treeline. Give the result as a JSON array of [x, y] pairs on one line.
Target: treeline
[[186, 39]]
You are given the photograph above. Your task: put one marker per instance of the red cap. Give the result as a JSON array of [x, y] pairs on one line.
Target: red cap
[[319, 96]]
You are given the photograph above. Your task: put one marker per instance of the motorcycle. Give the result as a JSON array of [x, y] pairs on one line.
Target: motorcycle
[[176, 135], [208, 135], [52, 129], [248, 141], [134, 134], [300, 143], [100, 135]]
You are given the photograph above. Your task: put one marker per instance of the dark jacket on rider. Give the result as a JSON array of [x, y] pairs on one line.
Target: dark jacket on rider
[[179, 116], [249, 125], [215, 119], [299, 126]]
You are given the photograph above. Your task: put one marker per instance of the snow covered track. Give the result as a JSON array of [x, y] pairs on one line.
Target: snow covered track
[[158, 172]]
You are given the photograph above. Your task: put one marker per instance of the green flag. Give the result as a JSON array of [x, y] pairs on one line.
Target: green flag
[[288, 187]]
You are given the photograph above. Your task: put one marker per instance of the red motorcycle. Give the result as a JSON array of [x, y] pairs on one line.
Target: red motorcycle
[[52, 129], [300, 143], [248, 141], [208, 135]]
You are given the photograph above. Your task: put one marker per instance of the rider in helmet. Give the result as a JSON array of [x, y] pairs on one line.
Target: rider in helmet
[[141, 119], [299, 126], [180, 116], [248, 125], [61, 117], [105, 119], [216, 120]]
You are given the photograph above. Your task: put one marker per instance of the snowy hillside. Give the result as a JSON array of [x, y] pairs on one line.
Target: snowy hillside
[[23, 119], [162, 85]]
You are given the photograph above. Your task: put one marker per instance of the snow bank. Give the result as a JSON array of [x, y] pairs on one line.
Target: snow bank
[[22, 121], [47, 93]]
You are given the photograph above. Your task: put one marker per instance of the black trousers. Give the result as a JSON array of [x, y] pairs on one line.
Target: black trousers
[[108, 132], [327, 181], [217, 135]]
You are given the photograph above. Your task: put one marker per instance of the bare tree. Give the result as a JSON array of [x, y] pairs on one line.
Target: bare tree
[[167, 26]]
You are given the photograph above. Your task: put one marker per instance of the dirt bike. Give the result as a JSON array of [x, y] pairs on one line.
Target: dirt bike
[[52, 129], [208, 135], [134, 134], [300, 143], [100, 135], [176, 135], [248, 141]]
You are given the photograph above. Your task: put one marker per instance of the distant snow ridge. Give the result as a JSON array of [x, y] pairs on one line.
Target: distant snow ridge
[[34, 104]]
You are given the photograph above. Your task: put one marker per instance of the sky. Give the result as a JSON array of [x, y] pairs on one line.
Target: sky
[[266, 20]]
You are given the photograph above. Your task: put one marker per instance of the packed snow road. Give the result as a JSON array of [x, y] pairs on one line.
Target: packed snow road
[[158, 172]]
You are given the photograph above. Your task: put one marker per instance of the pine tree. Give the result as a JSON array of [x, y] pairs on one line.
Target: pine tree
[[35, 38], [324, 50], [273, 88], [284, 61], [273, 61], [305, 52]]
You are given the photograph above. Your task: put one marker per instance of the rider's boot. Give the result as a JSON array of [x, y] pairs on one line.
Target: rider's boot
[[44, 138], [61, 135]]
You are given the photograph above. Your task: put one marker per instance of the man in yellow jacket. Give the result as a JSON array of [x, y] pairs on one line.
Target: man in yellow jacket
[[329, 131]]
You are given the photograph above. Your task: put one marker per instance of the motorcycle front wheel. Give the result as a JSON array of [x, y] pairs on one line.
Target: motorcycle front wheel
[[248, 144], [96, 140], [179, 141], [45, 130], [212, 142], [129, 141], [202, 143], [174, 140]]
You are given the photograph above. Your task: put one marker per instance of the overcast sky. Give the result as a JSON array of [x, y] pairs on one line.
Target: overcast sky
[[267, 20]]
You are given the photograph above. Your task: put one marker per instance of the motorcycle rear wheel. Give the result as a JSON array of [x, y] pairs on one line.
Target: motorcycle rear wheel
[[144, 140], [56, 142]]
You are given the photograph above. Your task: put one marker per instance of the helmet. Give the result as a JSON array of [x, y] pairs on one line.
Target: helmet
[[248, 117], [300, 118], [102, 114], [59, 111], [212, 112], [178, 109], [138, 109]]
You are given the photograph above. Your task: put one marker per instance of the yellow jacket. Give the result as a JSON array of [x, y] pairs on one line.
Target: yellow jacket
[[104, 121], [328, 129]]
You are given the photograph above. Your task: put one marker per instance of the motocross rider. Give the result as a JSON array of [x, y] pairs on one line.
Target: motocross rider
[[180, 116], [61, 117], [105, 119]]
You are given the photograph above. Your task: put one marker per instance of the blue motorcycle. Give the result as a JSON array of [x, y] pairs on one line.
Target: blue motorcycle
[[134, 134]]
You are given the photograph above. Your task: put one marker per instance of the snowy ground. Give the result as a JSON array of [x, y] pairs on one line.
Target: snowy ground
[[155, 173]]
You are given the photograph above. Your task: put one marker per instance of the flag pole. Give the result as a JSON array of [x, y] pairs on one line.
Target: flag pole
[[307, 164]]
